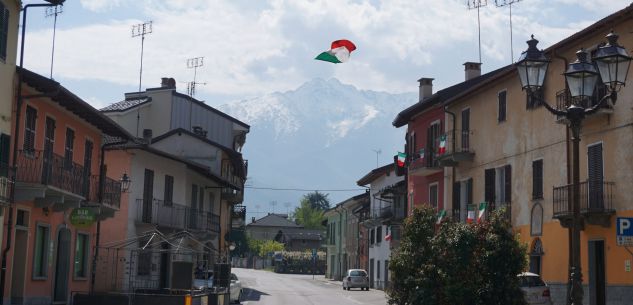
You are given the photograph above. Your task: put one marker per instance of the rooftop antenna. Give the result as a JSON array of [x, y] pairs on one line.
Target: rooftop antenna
[[141, 29], [53, 11], [193, 63], [378, 152], [508, 3], [476, 4], [273, 204]]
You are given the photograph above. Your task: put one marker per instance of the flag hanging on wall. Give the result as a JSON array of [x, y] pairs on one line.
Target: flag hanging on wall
[[339, 52], [422, 154], [388, 236], [402, 158], [482, 211], [471, 214], [440, 216], [442, 149]]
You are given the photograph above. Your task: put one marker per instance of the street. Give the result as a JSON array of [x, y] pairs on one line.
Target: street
[[265, 287]]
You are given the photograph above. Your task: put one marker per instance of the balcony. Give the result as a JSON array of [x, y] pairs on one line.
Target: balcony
[[50, 180], [6, 184], [387, 213], [232, 196], [425, 166], [238, 216], [596, 203], [457, 148], [462, 216], [564, 100], [175, 216]]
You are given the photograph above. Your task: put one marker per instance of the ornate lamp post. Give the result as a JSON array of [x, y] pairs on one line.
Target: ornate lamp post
[[612, 63]]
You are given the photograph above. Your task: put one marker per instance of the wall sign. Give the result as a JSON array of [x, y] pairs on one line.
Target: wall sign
[[82, 217]]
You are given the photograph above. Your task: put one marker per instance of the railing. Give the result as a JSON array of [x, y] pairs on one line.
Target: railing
[[388, 212], [595, 197], [51, 169], [112, 192], [457, 141], [490, 208], [564, 98], [231, 195], [176, 216], [6, 183]]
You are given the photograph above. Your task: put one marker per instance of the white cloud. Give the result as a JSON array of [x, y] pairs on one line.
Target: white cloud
[[99, 5]]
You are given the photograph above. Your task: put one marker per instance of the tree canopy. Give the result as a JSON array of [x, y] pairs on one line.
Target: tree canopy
[[317, 200], [307, 216]]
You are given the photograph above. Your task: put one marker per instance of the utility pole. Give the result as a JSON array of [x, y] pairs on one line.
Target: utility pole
[[141, 29]]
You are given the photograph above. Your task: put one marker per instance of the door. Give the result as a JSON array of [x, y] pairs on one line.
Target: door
[[595, 177], [19, 266], [49, 141], [597, 276], [164, 266], [465, 129], [62, 266], [371, 273], [148, 195]]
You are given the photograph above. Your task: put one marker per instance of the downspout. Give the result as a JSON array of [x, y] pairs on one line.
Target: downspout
[[452, 167]]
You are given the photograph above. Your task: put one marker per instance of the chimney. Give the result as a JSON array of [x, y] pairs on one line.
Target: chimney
[[473, 69], [426, 88], [147, 136], [167, 83]]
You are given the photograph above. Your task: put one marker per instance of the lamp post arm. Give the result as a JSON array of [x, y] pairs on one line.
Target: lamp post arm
[[547, 106], [613, 96]]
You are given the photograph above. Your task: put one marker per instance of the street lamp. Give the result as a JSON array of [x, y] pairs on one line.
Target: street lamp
[[612, 63], [125, 183]]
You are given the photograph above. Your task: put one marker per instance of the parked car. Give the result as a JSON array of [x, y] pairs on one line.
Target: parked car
[[203, 280], [236, 289], [535, 290], [356, 278]]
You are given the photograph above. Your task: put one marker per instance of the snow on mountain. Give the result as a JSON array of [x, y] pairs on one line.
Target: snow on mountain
[[318, 136]]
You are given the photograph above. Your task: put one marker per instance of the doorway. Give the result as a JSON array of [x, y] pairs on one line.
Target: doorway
[[62, 266], [148, 195], [19, 266], [165, 262], [597, 276]]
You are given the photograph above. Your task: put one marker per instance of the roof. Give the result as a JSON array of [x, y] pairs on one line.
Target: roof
[[301, 233], [126, 104], [199, 168], [361, 198], [274, 220], [71, 102], [440, 97], [374, 174]]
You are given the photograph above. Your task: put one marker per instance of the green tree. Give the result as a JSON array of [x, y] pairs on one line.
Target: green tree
[[270, 246], [307, 216], [318, 201], [470, 264]]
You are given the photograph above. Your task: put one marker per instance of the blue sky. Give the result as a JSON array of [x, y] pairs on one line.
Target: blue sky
[[252, 47]]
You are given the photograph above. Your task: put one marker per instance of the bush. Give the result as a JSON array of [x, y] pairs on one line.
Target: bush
[[466, 264]]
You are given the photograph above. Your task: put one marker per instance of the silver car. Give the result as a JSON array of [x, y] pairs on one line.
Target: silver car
[[236, 289], [356, 278], [535, 290]]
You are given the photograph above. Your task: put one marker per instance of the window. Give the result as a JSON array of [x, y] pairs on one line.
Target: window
[[4, 31], [502, 106], [169, 190], [378, 234], [81, 255], [40, 256], [68, 148], [29, 130], [433, 195], [378, 270], [144, 258], [534, 100], [537, 179], [194, 195], [5, 146], [372, 237], [433, 134], [503, 184]]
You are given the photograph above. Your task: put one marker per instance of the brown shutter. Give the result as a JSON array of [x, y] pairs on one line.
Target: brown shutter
[[489, 188], [469, 191], [456, 197], [537, 179]]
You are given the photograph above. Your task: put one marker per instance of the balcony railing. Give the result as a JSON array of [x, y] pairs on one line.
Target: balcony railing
[[175, 216], [490, 208], [51, 169], [564, 100], [389, 212], [112, 192], [232, 196], [457, 147], [6, 183], [238, 216], [596, 197]]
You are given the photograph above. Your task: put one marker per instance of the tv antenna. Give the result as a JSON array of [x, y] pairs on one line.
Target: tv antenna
[[194, 63], [273, 204], [476, 4], [141, 29], [378, 152], [53, 12], [508, 3]]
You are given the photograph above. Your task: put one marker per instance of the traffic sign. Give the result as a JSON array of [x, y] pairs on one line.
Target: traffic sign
[[624, 231]]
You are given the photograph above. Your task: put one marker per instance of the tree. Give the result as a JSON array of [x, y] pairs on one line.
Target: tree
[[318, 201], [307, 216], [471, 264], [270, 246]]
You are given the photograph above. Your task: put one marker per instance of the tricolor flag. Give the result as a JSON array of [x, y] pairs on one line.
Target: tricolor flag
[[440, 216], [402, 158], [388, 236], [471, 214], [482, 211], [442, 149], [422, 154], [338, 53]]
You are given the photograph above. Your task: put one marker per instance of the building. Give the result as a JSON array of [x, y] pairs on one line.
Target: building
[[388, 208], [527, 167], [300, 239], [62, 187], [269, 226]]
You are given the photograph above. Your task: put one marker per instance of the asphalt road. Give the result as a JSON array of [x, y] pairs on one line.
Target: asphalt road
[[269, 288]]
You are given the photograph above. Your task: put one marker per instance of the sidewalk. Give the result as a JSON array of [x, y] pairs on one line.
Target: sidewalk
[[328, 281]]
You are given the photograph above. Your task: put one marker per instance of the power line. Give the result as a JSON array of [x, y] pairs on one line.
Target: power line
[[304, 190]]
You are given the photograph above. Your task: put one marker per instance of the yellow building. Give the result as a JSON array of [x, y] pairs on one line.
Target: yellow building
[[507, 150]]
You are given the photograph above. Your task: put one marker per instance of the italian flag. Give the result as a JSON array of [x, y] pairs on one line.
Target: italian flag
[[442, 149], [482, 211], [402, 157], [471, 214], [422, 154], [388, 236], [338, 53], [440, 216]]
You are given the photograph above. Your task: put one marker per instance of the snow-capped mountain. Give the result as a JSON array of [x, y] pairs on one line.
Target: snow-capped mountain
[[320, 136]]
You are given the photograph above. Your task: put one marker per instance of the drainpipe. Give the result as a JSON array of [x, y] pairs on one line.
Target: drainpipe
[[453, 167]]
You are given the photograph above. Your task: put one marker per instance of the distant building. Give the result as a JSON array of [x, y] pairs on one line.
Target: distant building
[[267, 227], [279, 228]]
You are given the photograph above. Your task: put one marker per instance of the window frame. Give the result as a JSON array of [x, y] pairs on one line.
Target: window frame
[[536, 187], [30, 133], [4, 32], [45, 254], [69, 147], [86, 258], [502, 116], [435, 185], [168, 196]]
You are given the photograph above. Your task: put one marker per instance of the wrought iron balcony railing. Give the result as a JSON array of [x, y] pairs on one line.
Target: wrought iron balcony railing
[[6, 183], [456, 147], [389, 212], [175, 216], [40, 167], [112, 192], [596, 197]]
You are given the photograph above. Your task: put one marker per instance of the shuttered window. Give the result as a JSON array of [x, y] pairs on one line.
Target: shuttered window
[[69, 148], [489, 188], [537, 179], [596, 177], [534, 100], [169, 190], [502, 106], [4, 31], [433, 195], [456, 197], [5, 144], [29, 129], [469, 191]]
